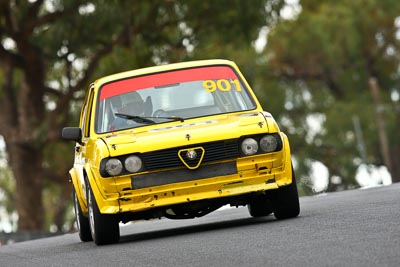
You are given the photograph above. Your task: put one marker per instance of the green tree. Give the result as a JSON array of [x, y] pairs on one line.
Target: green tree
[[327, 60], [51, 50]]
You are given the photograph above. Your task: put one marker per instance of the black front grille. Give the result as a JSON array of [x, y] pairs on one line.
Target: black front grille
[[183, 175], [168, 158]]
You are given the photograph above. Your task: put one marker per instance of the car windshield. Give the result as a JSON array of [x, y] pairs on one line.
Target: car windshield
[[173, 95]]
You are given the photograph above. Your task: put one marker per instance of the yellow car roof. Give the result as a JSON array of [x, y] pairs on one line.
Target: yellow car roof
[[166, 67]]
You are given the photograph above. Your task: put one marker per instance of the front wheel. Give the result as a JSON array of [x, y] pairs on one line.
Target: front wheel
[[285, 201], [82, 222], [104, 228]]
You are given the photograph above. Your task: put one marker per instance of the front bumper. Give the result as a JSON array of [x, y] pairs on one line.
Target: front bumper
[[252, 174]]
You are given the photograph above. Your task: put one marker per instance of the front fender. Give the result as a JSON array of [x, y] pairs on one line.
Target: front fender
[[104, 191], [288, 176]]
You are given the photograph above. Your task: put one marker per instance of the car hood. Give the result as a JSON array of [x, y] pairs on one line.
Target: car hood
[[189, 132]]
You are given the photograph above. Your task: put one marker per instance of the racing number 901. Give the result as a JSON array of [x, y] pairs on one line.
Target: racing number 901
[[222, 85]]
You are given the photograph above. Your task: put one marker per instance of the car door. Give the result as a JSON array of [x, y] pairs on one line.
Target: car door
[[80, 148]]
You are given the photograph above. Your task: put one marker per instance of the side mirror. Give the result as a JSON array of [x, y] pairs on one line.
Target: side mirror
[[72, 134]]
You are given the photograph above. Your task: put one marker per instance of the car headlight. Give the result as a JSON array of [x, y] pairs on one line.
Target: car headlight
[[113, 167], [249, 146], [133, 164], [268, 143]]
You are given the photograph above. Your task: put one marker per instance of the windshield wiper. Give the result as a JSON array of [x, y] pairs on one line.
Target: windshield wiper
[[148, 120], [137, 119], [170, 118]]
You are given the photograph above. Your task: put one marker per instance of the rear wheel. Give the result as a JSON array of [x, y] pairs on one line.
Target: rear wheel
[[260, 206], [104, 227], [286, 201], [82, 221]]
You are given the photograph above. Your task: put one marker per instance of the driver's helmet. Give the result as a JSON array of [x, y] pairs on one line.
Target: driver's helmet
[[132, 103]]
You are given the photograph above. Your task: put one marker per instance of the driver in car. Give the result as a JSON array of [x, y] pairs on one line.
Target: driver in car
[[131, 105]]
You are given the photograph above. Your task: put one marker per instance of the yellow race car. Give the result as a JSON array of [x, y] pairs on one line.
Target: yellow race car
[[176, 141]]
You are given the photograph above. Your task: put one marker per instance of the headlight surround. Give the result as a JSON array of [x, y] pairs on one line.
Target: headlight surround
[[249, 146], [260, 144], [133, 163], [113, 167], [268, 143]]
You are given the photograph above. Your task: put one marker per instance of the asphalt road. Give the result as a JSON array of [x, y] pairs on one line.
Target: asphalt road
[[350, 228]]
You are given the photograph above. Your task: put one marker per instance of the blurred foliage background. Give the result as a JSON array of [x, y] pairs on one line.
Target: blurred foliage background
[[327, 70]]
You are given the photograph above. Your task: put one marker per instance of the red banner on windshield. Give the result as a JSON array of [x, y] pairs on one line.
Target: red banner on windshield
[[166, 78]]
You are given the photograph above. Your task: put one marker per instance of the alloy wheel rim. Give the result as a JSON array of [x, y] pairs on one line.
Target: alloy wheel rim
[[78, 224], [91, 215]]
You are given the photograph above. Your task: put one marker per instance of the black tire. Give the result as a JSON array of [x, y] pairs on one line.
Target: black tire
[[104, 228], [286, 201], [260, 207], [82, 222]]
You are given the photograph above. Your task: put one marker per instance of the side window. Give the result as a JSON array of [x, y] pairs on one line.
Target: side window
[[82, 123], [86, 113]]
